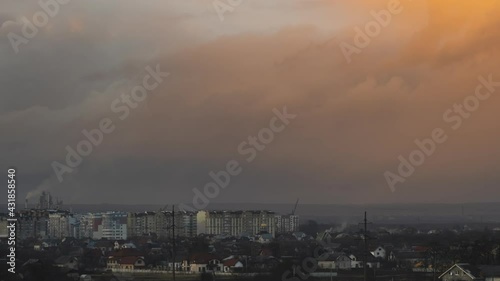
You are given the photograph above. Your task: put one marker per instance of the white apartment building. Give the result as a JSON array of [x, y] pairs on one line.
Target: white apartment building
[[109, 225], [114, 226], [189, 224]]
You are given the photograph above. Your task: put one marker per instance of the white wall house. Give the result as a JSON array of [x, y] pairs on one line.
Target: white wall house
[[337, 261], [380, 252]]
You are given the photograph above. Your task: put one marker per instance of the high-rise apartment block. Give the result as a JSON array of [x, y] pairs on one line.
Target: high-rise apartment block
[[161, 223], [287, 223], [114, 226], [236, 223], [53, 223], [59, 224]]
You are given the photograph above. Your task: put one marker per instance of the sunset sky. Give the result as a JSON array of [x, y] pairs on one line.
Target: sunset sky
[[226, 76]]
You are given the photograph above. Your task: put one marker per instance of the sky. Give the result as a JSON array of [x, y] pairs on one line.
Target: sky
[[360, 102]]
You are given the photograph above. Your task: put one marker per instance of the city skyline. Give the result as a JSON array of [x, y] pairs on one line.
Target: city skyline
[[288, 140]]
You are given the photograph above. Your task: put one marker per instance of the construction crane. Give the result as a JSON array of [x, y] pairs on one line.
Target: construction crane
[[295, 208]]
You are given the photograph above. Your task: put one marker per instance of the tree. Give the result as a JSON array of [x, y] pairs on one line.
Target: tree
[[311, 228]]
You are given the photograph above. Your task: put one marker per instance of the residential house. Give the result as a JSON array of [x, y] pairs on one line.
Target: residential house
[[204, 262], [467, 272], [357, 260], [131, 263], [125, 259], [409, 259], [121, 244], [336, 261], [380, 252], [299, 235], [180, 262], [70, 262], [232, 265]]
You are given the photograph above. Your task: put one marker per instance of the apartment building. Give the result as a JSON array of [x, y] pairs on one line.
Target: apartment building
[[286, 223], [143, 223], [189, 224], [42, 223], [32, 223], [236, 223], [109, 225], [89, 225], [161, 223], [59, 224], [114, 226]]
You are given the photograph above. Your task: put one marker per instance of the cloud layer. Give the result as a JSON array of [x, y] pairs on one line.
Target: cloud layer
[[354, 119]]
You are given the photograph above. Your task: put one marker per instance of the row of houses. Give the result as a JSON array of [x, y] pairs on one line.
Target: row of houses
[[131, 259]]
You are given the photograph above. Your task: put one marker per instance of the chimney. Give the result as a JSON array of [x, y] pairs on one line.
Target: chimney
[[26, 203]]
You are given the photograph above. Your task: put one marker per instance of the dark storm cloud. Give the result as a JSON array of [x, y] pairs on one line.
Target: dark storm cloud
[[353, 119]]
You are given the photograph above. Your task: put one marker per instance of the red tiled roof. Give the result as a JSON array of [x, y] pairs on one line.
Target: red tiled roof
[[421, 248], [128, 260], [202, 258], [230, 262]]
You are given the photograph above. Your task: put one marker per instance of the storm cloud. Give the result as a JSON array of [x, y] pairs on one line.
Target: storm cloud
[[353, 119]]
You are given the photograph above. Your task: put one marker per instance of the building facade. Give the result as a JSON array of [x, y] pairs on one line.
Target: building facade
[[89, 225], [59, 224], [161, 223], [286, 223], [236, 223], [33, 224], [114, 226]]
